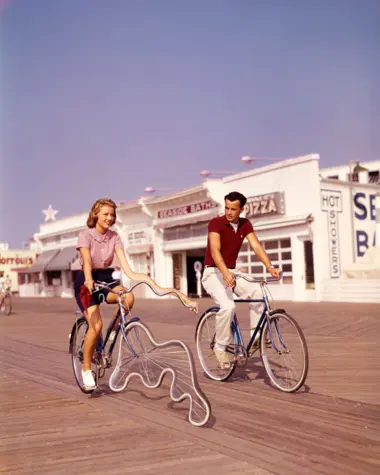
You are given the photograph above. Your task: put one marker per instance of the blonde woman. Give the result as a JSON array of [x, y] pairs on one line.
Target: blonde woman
[[98, 245]]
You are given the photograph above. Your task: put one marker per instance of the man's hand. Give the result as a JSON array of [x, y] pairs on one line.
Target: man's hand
[[192, 305], [274, 272], [229, 279]]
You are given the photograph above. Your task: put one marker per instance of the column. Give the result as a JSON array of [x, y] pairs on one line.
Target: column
[[184, 274], [377, 228], [158, 270], [66, 290], [298, 266]]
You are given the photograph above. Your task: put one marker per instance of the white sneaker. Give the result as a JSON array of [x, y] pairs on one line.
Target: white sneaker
[[88, 379]]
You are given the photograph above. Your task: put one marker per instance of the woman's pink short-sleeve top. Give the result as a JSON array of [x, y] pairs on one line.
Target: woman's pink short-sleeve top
[[102, 246]]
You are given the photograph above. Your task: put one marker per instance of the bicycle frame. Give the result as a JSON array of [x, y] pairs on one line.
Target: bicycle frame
[[102, 342], [238, 337]]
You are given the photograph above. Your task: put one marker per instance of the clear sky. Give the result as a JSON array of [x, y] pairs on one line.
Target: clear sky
[[106, 97]]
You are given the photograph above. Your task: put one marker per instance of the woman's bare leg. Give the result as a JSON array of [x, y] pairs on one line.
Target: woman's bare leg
[[95, 325]]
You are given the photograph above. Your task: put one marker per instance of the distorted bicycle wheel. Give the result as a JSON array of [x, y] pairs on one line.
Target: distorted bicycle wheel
[[205, 341], [6, 306], [140, 355], [79, 333], [284, 352]]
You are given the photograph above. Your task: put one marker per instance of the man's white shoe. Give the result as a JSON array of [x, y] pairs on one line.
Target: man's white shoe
[[88, 379]]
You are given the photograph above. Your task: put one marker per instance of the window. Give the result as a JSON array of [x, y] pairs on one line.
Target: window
[[280, 253], [354, 177], [186, 232], [139, 263], [333, 177], [270, 244], [285, 243], [53, 277], [373, 177]]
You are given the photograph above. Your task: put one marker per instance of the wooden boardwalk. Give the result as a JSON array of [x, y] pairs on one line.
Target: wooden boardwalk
[[330, 427]]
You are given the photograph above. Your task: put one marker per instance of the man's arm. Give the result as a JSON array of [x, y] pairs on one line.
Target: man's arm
[[215, 247], [262, 255]]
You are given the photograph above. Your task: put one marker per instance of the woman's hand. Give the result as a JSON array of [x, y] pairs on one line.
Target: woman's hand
[[89, 284], [192, 305]]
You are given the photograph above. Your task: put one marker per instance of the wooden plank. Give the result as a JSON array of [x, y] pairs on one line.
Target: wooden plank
[[330, 427]]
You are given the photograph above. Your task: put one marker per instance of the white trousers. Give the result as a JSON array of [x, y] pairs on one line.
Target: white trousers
[[214, 285]]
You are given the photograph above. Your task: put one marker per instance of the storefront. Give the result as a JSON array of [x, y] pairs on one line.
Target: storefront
[[288, 210], [53, 272], [319, 231], [180, 237], [12, 261]]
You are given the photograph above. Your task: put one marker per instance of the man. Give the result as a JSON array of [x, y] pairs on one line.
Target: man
[[225, 237]]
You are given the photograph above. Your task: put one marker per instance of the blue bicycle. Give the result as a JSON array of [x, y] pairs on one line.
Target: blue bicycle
[[139, 355], [282, 344]]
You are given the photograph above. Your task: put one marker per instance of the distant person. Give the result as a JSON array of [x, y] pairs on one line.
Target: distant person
[[225, 237], [97, 246], [5, 286], [8, 283]]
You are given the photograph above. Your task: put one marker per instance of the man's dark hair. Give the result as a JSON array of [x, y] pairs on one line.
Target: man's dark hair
[[234, 196]]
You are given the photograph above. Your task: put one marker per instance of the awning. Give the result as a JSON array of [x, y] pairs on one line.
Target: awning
[[63, 260], [76, 264], [42, 261], [139, 248]]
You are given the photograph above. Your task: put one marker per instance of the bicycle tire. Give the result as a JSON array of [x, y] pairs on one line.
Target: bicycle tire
[[7, 304], [280, 341], [217, 374], [77, 355]]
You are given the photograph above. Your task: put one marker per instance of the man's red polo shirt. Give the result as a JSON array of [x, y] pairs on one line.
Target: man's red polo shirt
[[230, 240]]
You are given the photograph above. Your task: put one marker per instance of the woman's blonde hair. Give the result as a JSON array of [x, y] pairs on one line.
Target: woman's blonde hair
[[93, 215]]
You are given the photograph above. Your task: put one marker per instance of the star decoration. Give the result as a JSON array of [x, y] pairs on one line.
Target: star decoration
[[50, 213]]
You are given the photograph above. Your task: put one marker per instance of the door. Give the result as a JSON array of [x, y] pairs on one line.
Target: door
[[309, 264]]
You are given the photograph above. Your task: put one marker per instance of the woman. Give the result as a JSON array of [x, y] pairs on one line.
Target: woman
[[97, 246]]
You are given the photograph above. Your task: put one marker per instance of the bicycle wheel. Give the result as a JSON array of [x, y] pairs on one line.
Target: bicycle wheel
[[79, 333], [205, 341], [284, 352], [6, 306], [139, 355]]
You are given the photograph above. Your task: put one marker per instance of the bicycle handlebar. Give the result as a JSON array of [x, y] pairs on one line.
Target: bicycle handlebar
[[249, 278], [102, 285]]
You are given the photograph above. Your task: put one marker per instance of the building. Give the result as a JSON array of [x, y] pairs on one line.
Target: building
[[14, 260], [363, 172], [312, 224]]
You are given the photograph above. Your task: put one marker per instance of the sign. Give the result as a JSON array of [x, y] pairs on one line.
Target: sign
[[264, 205], [198, 266], [139, 237], [18, 261], [331, 203], [365, 221], [186, 209]]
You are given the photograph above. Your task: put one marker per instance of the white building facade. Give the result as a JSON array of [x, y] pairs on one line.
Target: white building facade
[[316, 229]]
